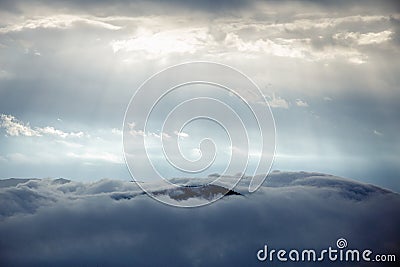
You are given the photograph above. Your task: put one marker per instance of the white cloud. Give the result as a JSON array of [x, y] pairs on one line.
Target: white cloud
[[155, 41], [301, 103], [164, 135], [48, 130], [156, 44], [376, 132], [14, 127], [294, 38], [300, 48], [294, 48], [134, 132], [364, 38], [181, 134], [116, 131], [357, 60], [277, 102], [57, 21], [328, 22], [152, 137]]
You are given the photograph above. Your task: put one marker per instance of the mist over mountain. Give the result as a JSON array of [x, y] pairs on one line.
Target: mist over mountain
[[47, 222]]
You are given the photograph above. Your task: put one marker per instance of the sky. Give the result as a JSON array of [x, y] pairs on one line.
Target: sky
[[328, 71]]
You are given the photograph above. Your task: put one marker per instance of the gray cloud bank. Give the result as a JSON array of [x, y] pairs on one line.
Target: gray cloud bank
[[58, 222]]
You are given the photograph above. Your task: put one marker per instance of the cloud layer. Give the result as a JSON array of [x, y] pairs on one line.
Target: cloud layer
[[48, 222]]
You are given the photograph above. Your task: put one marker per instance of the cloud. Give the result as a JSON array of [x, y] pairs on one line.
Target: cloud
[[282, 47], [377, 133], [161, 43], [301, 103], [311, 39], [48, 222], [14, 127], [116, 131], [57, 21], [364, 38], [277, 102], [134, 132], [181, 134], [327, 22], [48, 130]]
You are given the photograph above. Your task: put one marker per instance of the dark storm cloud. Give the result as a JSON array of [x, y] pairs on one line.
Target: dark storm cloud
[[291, 210]]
